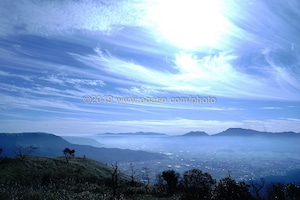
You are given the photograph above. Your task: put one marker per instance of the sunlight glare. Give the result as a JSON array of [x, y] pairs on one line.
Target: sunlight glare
[[190, 24]]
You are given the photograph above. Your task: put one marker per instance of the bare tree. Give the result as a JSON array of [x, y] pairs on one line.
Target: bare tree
[[114, 177], [23, 152], [146, 177], [132, 175], [159, 179]]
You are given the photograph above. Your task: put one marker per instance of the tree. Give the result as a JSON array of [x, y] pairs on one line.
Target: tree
[[197, 185], [68, 154], [292, 192], [160, 183], [171, 177], [275, 191], [1, 151], [228, 189]]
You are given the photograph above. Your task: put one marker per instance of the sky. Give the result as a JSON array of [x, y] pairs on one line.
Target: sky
[[81, 67]]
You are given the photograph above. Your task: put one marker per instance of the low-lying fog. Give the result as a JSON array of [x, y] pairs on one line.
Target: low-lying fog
[[243, 157]]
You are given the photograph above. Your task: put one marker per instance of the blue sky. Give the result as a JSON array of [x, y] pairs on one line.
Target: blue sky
[[53, 54]]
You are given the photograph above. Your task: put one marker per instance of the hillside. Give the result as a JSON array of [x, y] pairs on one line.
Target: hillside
[[52, 145], [44, 178], [54, 178], [39, 170]]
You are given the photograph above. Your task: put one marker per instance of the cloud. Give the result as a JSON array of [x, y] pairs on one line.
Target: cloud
[[263, 23], [134, 72], [271, 108], [225, 78], [212, 75], [143, 91], [274, 125], [260, 23], [50, 106], [61, 17], [8, 74], [62, 80]]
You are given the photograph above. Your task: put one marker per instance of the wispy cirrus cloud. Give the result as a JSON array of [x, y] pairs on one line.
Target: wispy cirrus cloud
[[271, 108], [62, 80], [247, 20], [214, 75], [104, 61], [68, 16], [8, 74]]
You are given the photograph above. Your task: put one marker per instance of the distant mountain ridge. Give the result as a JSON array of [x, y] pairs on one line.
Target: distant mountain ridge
[[228, 132], [52, 145], [241, 132], [250, 132]]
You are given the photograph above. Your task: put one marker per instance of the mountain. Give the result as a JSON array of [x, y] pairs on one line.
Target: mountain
[[240, 132], [287, 134], [141, 133], [196, 134], [52, 145], [249, 132]]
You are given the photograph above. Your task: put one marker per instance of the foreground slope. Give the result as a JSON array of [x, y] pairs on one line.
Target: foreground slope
[[35, 170], [35, 177]]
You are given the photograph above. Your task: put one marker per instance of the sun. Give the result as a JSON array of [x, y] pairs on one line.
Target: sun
[[190, 24]]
